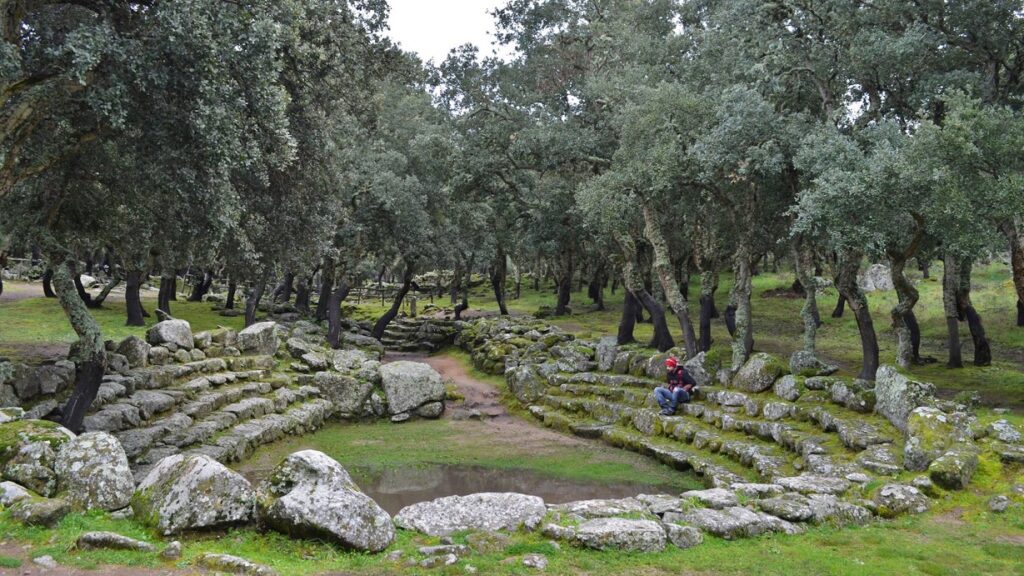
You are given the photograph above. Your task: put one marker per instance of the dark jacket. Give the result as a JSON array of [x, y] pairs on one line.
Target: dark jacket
[[680, 378]]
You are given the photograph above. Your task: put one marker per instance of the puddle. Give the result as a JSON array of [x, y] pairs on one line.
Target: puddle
[[395, 488]]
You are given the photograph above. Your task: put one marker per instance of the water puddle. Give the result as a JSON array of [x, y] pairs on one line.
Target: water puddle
[[395, 488]]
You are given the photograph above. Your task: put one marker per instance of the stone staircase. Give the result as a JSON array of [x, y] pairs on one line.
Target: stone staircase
[[727, 436], [220, 407], [405, 334]]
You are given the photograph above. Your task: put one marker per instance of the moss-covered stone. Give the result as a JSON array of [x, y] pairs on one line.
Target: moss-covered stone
[[15, 434], [759, 373]]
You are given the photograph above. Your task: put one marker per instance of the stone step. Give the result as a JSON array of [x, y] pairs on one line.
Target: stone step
[[764, 456], [716, 470]]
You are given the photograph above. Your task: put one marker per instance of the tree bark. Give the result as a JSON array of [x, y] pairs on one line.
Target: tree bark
[[252, 303], [229, 300], [97, 302], [966, 310], [743, 339], [1014, 232], [907, 297], [846, 283], [133, 301], [837, 312], [803, 260], [662, 339], [283, 292], [564, 285], [666, 275], [334, 300], [201, 288], [707, 307], [48, 283], [302, 295], [950, 287], [499, 276], [628, 320], [326, 287], [383, 321], [168, 285], [87, 353]]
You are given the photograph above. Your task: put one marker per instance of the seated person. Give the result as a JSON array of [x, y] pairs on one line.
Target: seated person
[[680, 387]]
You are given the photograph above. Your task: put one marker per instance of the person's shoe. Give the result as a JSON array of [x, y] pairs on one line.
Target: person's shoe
[[667, 412]]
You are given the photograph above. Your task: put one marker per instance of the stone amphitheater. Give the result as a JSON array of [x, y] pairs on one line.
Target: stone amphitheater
[[779, 445]]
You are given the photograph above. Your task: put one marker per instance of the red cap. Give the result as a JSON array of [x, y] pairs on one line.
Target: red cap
[[671, 362]]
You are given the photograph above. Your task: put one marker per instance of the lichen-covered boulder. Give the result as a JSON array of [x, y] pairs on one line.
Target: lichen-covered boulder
[[226, 563], [298, 347], [601, 508], [409, 385], [195, 492], [606, 350], [876, 277], [11, 493], [621, 534], [260, 338], [894, 500], [111, 541], [730, 523], [809, 484], [32, 467], [1004, 431], [683, 536], [954, 469], [37, 511], [93, 472], [171, 334], [527, 383], [789, 506], [483, 511], [896, 396], [804, 363], [311, 495], [699, 367], [349, 360], [136, 350], [788, 387], [929, 432], [348, 395], [759, 373]]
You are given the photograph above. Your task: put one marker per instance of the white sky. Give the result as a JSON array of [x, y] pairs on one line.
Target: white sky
[[431, 28]]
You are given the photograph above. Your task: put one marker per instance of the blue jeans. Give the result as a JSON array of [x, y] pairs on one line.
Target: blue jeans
[[669, 400]]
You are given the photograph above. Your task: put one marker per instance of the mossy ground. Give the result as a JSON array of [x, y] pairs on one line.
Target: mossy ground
[[959, 536]]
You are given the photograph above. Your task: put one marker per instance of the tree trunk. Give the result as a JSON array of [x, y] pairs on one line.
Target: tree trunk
[[663, 268], [87, 353], [283, 292], [48, 283], [628, 320], [334, 300], [840, 306], [846, 283], [907, 297], [383, 321], [167, 288], [1014, 232], [97, 302], [132, 299], [499, 275], [232, 287], [950, 287], [564, 286], [966, 310], [82, 293], [707, 305], [326, 287], [925, 266], [201, 288], [595, 288], [662, 339], [743, 340], [803, 260], [302, 295], [252, 303]]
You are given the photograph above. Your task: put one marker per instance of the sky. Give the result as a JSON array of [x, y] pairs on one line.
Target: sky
[[433, 27]]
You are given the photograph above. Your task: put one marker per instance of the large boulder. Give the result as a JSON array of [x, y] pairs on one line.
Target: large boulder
[[37, 511], [311, 495], [606, 350], [929, 432], [32, 467], [1004, 431], [955, 468], [701, 369], [484, 511], [93, 471], [896, 396], [348, 395], [136, 350], [171, 334], [195, 492], [759, 373], [894, 500], [621, 534], [804, 363], [11, 492], [527, 383], [730, 523], [260, 338], [409, 385], [876, 277]]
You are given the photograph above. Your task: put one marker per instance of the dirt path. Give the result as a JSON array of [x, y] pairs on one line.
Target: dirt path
[[17, 290], [30, 568], [484, 399]]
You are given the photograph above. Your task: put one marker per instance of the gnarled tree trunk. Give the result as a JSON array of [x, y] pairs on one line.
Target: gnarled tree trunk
[[662, 339], [168, 285], [302, 295], [564, 285], [132, 298], [627, 322], [229, 300], [326, 286], [498, 276], [383, 321], [907, 296], [87, 353], [1014, 232], [966, 311], [201, 288], [283, 292], [334, 300], [666, 275], [252, 303], [48, 283], [803, 260], [743, 333], [950, 287], [708, 283], [846, 283]]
